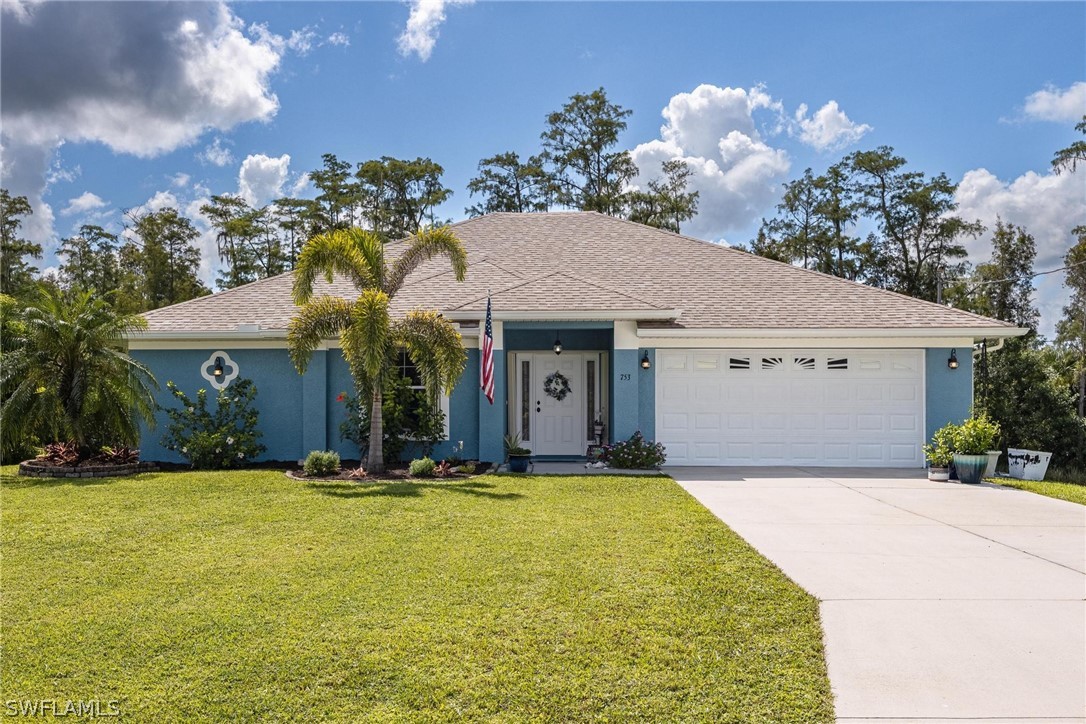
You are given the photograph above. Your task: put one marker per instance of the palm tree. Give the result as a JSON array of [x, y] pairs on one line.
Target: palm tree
[[66, 374], [370, 338]]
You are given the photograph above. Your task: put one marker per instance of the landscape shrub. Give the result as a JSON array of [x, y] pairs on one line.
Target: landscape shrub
[[225, 438], [422, 468], [407, 417], [319, 463], [637, 453]]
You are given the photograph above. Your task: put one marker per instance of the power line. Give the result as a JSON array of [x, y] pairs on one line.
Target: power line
[[939, 283]]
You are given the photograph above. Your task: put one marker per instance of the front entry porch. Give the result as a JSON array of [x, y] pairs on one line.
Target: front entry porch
[[557, 401]]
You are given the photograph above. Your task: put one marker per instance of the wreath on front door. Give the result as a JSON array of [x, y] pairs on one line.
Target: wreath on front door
[[556, 385]]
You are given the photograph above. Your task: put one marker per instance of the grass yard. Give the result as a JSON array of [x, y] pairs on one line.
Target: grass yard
[[246, 595], [1074, 492]]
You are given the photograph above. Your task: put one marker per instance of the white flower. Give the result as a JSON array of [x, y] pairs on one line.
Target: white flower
[[184, 449], [191, 410], [241, 455], [229, 441], [218, 450]]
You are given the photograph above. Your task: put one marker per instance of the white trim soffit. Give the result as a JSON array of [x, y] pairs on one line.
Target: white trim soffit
[[815, 332]]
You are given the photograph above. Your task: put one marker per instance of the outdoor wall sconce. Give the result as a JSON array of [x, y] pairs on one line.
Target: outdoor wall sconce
[[645, 363], [557, 344], [219, 369], [952, 363]]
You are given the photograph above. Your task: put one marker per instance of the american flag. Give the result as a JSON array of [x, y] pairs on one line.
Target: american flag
[[488, 355]]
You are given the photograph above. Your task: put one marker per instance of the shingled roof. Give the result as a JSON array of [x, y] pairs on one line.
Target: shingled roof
[[563, 265]]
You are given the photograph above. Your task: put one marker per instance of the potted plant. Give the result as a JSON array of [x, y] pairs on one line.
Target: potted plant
[[972, 441], [517, 456], [597, 427], [940, 453]]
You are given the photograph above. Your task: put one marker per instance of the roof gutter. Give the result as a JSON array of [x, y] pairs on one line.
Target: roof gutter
[[978, 333]]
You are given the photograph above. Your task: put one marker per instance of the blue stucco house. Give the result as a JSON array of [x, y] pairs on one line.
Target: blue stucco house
[[725, 357]]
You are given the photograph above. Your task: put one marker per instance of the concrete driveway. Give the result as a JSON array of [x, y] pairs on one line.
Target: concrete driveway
[[939, 601]]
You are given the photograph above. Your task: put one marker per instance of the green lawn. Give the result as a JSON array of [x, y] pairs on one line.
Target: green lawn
[[246, 595], [1074, 492]]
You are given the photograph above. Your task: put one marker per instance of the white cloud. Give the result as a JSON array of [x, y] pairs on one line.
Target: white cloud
[[216, 154], [169, 73], [160, 201], [829, 129], [736, 172], [1053, 104], [261, 178], [84, 203], [301, 41], [180, 180], [1048, 206], [300, 185], [338, 38], [420, 34]]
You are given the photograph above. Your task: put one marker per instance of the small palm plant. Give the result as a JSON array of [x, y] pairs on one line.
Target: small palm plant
[[66, 374], [371, 339]]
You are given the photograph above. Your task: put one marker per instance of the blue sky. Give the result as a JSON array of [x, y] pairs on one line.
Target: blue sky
[[179, 101]]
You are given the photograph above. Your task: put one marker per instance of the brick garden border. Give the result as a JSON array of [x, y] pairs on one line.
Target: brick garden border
[[34, 469]]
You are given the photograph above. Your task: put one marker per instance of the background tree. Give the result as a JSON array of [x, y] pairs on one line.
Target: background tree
[[812, 226], [371, 339], [295, 219], [579, 144], [16, 275], [90, 260], [919, 237], [1071, 330], [507, 184], [337, 194], [232, 219], [1069, 158], [164, 259], [399, 197], [667, 203], [66, 374]]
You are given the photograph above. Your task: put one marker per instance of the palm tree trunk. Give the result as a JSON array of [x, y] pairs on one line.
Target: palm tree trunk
[[377, 434]]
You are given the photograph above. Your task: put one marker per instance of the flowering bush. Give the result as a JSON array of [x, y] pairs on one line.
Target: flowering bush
[[225, 438], [637, 453]]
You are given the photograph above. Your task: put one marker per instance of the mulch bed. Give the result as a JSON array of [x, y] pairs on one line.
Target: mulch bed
[[391, 474]]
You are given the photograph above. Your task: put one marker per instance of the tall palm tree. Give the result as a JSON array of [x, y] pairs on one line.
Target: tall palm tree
[[66, 374], [371, 339]]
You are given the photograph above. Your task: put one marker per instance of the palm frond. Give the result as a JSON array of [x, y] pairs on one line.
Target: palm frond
[[317, 320], [433, 344], [334, 252], [424, 246], [367, 340]]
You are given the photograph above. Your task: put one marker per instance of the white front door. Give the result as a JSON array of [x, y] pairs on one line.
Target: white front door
[[557, 424]]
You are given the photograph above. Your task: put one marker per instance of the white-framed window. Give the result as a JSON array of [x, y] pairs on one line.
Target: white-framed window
[[410, 372]]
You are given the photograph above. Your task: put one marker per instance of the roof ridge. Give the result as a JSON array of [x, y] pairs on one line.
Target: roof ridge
[[609, 290], [506, 289]]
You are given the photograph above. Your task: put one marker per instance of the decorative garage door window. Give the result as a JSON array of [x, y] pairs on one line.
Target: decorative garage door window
[[556, 385], [219, 370]]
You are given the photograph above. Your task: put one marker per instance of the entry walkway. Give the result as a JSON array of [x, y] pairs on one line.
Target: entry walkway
[[939, 601]]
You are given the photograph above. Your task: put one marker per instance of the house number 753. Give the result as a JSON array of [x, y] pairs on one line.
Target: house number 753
[[623, 377]]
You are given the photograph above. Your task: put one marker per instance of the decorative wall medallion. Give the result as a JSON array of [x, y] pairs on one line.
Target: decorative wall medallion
[[556, 385], [219, 370]]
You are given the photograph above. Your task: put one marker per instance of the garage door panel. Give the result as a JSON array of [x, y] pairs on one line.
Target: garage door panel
[[776, 407]]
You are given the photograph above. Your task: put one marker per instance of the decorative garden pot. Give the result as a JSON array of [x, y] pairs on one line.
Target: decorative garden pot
[[519, 463], [939, 474], [970, 467], [1027, 464], [993, 460]]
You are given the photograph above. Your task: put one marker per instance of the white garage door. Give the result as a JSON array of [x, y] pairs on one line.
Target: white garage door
[[790, 407]]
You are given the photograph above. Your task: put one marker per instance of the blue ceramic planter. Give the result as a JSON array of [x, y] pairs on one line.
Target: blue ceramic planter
[[519, 463], [970, 467]]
